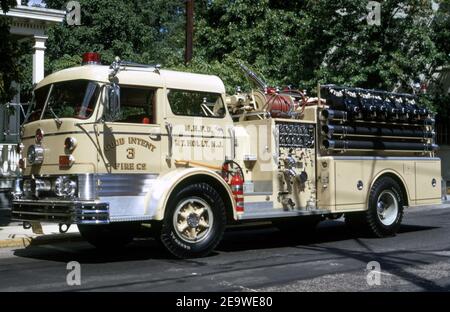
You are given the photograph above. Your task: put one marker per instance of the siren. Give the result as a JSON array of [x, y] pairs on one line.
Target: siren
[[91, 58]]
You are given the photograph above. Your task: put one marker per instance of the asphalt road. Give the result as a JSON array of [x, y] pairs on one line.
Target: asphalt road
[[255, 259]]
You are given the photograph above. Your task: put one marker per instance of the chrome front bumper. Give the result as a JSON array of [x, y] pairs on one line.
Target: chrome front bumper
[[58, 211]]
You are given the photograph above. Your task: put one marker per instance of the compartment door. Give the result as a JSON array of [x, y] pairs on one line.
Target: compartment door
[[426, 171], [348, 174]]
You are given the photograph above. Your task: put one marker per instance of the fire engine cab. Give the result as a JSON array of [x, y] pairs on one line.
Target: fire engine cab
[[110, 148]]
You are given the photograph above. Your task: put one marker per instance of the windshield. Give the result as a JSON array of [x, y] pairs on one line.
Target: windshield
[[67, 99]]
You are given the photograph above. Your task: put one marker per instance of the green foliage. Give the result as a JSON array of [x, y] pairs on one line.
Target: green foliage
[[322, 41], [251, 31], [65, 61], [7, 4], [13, 64], [441, 32], [227, 69], [141, 31], [298, 43]]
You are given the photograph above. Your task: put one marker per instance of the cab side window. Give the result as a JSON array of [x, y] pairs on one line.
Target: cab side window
[[196, 103], [137, 104]]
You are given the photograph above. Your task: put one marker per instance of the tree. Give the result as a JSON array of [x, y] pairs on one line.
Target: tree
[[12, 65], [141, 31], [298, 43], [441, 38], [263, 34], [6, 4], [323, 41]]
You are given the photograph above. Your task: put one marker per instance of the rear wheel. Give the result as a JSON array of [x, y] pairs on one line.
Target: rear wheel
[[385, 212], [109, 236], [194, 222]]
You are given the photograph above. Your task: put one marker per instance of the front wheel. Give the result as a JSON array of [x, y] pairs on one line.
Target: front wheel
[[194, 221]]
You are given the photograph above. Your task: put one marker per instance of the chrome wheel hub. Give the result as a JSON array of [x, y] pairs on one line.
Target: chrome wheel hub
[[387, 207], [193, 220]]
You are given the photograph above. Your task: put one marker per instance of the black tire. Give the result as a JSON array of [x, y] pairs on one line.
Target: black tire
[[385, 189], [177, 242], [299, 226], [109, 236]]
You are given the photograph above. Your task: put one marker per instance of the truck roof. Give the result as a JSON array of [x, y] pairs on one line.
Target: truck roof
[[140, 76]]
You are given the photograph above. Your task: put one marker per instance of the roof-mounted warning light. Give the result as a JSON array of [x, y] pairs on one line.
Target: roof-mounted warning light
[[91, 58]]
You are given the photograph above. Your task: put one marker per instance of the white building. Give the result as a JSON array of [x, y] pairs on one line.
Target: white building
[[31, 23], [27, 23]]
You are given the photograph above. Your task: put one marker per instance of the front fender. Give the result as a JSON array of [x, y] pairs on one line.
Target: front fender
[[164, 185]]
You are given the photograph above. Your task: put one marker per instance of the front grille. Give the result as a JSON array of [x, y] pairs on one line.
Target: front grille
[[68, 213]]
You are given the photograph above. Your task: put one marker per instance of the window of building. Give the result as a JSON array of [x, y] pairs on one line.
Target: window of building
[[137, 104], [196, 103]]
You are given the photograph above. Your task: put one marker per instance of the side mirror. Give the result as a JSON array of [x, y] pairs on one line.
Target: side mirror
[[112, 110]]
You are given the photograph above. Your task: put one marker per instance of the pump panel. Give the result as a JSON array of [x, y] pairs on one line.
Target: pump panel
[[296, 165], [296, 135]]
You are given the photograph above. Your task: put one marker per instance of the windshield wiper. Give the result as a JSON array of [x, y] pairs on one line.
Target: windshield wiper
[[56, 118]]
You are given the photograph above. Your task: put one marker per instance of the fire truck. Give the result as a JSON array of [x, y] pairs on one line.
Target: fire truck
[[112, 148]]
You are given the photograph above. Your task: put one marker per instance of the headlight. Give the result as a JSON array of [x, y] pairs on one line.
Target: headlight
[[64, 186], [36, 186], [35, 155]]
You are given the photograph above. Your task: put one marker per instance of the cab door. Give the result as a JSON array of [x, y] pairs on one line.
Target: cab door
[[196, 126], [132, 144]]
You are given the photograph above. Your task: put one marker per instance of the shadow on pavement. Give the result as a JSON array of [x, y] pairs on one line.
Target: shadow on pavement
[[83, 252], [248, 238], [270, 237]]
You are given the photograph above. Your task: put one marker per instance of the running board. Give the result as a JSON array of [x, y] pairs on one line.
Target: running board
[[265, 210]]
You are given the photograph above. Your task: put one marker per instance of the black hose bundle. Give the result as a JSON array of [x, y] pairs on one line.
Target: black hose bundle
[[378, 145], [361, 119], [367, 104], [341, 130]]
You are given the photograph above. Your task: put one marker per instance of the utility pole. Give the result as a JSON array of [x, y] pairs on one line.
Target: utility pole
[[189, 30]]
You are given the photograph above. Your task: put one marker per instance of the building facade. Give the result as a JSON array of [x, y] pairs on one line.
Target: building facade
[[26, 23]]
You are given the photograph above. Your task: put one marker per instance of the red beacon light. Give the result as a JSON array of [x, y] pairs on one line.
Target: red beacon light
[[91, 58]]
